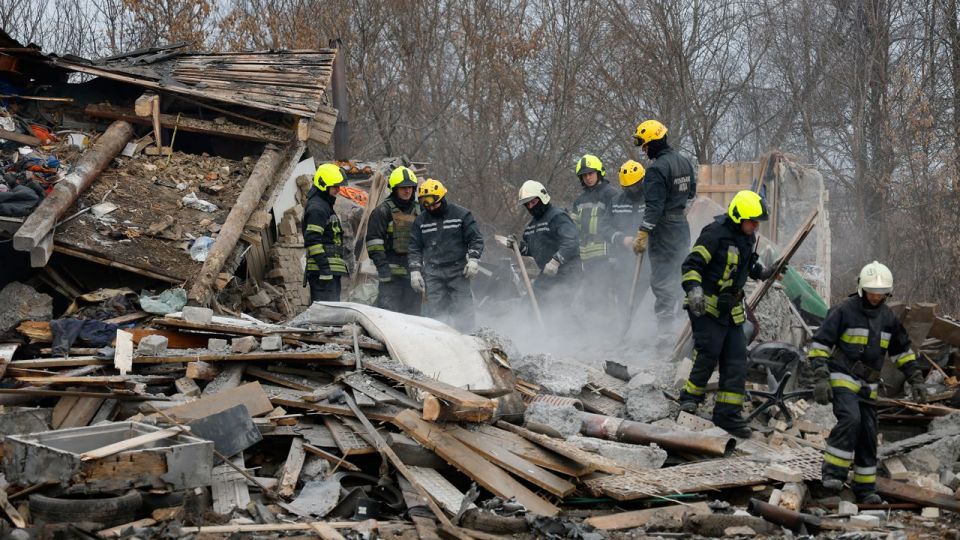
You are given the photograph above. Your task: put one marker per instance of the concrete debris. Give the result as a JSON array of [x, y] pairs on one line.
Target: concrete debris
[[217, 344], [647, 404], [199, 315], [555, 376], [932, 457], [153, 345], [243, 344], [628, 456], [563, 420], [19, 302]]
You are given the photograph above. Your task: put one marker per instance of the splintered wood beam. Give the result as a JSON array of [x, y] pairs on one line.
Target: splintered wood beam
[[193, 125], [86, 170]]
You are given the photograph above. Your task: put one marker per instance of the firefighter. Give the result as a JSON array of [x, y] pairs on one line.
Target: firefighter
[[714, 274], [388, 241], [670, 182], [323, 236], [627, 215], [552, 240], [591, 214], [845, 358], [445, 250]]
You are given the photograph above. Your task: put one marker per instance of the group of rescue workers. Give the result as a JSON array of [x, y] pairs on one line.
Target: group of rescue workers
[[427, 249]]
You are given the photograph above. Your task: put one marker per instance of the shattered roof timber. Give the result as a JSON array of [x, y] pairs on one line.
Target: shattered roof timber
[[290, 82]]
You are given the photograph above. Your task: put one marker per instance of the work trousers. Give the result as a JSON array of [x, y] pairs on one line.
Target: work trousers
[[324, 290], [397, 295], [853, 440], [714, 343], [449, 298], [668, 245]]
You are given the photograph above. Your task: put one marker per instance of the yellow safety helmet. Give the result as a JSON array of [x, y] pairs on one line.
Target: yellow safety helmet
[[649, 130], [431, 191], [402, 177], [747, 205], [875, 278], [327, 175], [631, 173], [590, 163]]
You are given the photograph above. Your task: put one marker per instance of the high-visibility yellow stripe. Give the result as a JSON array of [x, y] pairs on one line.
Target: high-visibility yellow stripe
[[693, 389], [840, 383], [818, 353], [854, 340], [703, 252], [865, 478], [904, 358], [884, 343], [314, 228], [375, 248], [837, 461], [731, 398], [315, 249], [692, 275]]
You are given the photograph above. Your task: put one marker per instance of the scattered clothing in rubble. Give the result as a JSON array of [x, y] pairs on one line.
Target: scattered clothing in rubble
[[67, 331], [21, 200], [169, 301]]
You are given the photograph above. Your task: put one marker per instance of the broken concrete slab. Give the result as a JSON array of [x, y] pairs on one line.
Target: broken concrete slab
[[243, 344], [646, 404], [19, 302], [629, 456], [216, 344], [555, 376], [194, 314], [930, 458], [22, 420], [271, 343], [563, 420], [847, 508], [152, 345]]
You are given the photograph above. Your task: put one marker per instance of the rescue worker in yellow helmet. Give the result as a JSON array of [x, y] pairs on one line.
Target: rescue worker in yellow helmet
[[445, 250], [713, 275], [845, 357], [388, 241], [323, 235], [627, 214], [591, 212], [670, 183]]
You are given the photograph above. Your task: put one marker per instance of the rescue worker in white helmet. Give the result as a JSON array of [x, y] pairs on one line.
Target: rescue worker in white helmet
[[388, 241], [670, 183], [713, 276], [591, 212], [445, 250], [551, 239], [845, 357], [323, 235]]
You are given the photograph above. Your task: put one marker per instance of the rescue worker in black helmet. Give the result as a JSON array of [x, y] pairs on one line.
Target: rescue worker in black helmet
[[445, 250], [323, 235], [591, 214], [670, 183], [844, 361], [714, 274], [388, 241]]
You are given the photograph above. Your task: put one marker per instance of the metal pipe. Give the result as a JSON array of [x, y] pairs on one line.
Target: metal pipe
[[618, 429], [783, 516]]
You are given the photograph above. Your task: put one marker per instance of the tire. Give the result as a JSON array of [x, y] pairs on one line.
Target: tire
[[108, 511]]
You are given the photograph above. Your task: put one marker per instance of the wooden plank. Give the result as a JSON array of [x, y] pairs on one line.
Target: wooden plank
[[946, 330], [229, 377], [192, 125], [251, 395], [322, 358], [325, 531], [919, 322], [491, 477], [129, 444], [349, 443], [224, 328], [446, 494], [116, 532], [7, 350], [513, 463], [639, 518], [531, 452], [591, 462], [915, 494], [21, 138], [290, 381], [202, 371], [79, 412], [290, 474], [463, 399]]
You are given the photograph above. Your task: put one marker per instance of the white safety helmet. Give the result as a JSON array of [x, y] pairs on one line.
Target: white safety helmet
[[531, 189], [875, 278]]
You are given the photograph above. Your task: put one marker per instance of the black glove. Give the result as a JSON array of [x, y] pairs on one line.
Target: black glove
[[822, 393], [769, 272], [696, 302], [915, 387]]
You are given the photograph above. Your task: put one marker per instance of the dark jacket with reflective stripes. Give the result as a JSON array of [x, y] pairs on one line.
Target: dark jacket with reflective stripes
[[627, 214], [553, 235], [591, 214], [721, 260], [388, 236], [323, 236], [444, 240], [854, 333], [670, 181]]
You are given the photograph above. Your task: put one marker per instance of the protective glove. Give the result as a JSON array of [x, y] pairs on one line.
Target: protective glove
[[510, 241], [640, 242], [416, 281], [916, 387], [551, 268], [696, 303], [822, 393], [471, 269], [384, 275], [768, 272]]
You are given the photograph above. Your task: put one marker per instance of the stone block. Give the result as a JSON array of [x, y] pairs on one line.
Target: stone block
[[199, 315], [243, 344], [152, 345], [847, 508], [865, 520], [217, 344], [271, 343], [782, 473], [930, 512], [187, 387]]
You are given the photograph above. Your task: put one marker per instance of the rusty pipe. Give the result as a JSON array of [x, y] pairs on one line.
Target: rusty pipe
[[618, 429], [783, 516]]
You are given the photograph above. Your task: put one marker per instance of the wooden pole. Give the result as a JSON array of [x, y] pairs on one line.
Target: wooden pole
[[43, 220], [264, 174], [633, 296], [526, 281]]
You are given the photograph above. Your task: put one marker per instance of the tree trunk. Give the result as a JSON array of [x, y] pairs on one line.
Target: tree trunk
[[43, 220]]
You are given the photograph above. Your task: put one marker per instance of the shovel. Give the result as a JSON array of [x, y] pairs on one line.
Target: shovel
[[523, 272], [633, 296]]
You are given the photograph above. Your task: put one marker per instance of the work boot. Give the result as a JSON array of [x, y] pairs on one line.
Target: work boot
[[869, 497], [830, 483], [689, 406], [728, 417]]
